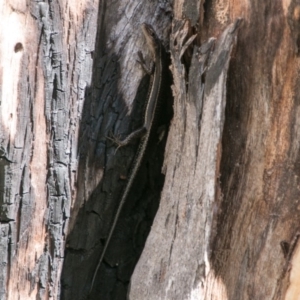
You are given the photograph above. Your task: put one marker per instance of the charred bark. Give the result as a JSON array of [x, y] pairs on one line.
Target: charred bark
[[227, 218]]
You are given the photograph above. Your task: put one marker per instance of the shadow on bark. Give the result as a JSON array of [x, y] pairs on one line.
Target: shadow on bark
[[105, 112]]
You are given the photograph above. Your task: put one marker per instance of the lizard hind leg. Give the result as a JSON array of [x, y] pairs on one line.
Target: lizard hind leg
[[134, 135], [116, 140]]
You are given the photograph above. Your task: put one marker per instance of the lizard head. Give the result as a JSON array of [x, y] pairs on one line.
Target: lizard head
[[151, 37]]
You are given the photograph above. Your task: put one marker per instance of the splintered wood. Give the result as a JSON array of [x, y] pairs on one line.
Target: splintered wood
[[182, 227]]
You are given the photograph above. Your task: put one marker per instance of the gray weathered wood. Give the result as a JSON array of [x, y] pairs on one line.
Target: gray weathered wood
[[228, 224], [70, 77], [46, 64], [182, 227], [4, 244]]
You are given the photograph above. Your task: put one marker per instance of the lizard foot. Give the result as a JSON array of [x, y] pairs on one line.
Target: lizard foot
[[116, 140]]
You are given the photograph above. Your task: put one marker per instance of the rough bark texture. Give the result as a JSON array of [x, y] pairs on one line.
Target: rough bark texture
[[227, 226], [70, 77], [187, 204], [46, 59], [238, 239], [114, 105]]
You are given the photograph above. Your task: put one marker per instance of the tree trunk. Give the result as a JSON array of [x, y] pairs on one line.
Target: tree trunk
[[227, 224], [227, 206], [46, 62]]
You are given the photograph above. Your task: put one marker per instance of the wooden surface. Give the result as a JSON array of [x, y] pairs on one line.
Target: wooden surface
[[183, 224], [46, 64], [241, 240], [227, 225]]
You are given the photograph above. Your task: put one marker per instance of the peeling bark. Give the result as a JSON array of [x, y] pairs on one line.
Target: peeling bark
[[41, 104], [227, 223], [251, 250], [183, 223]]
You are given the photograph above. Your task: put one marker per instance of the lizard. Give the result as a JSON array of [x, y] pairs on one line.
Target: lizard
[[158, 53]]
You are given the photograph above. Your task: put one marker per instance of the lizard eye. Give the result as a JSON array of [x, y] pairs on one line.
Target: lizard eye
[[151, 32]]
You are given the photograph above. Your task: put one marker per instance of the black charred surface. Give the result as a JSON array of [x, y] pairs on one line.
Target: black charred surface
[[104, 113]]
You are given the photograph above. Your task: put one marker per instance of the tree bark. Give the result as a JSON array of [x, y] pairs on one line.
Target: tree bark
[[185, 216], [227, 206], [227, 224], [46, 63]]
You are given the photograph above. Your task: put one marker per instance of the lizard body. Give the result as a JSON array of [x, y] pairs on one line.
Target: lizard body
[[152, 104]]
